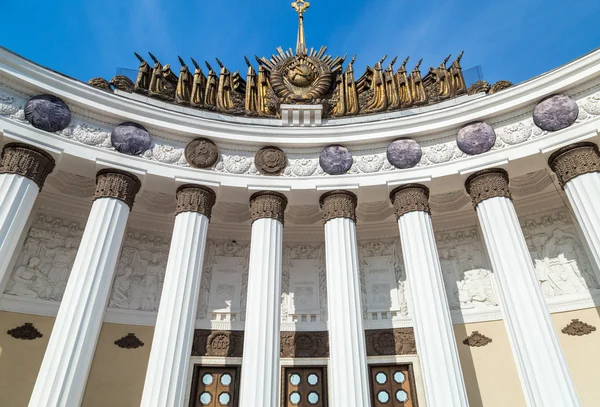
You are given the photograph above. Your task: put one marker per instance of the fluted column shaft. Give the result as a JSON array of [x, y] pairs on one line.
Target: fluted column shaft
[[349, 378], [260, 365], [23, 171], [578, 170], [62, 377], [540, 362], [165, 384], [436, 344]]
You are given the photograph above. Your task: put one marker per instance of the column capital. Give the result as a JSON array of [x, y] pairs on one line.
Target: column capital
[[28, 161], [338, 204], [121, 185], [410, 198], [195, 198], [267, 204], [487, 184], [574, 160]]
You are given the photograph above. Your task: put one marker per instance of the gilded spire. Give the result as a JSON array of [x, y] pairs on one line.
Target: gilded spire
[[301, 6]]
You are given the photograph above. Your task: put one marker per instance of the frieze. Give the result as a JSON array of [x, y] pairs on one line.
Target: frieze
[[388, 342], [26, 331], [304, 344], [578, 328]]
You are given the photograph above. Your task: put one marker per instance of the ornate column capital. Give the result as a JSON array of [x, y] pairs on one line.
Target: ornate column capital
[[487, 184], [338, 204], [121, 185], [410, 198], [28, 161], [267, 204], [574, 160], [195, 198]]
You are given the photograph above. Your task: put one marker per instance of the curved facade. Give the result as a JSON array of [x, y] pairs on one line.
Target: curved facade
[[159, 254]]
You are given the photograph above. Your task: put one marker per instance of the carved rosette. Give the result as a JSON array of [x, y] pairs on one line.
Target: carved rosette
[[195, 198], [201, 153], [578, 328], [410, 198], [121, 185], [477, 340], [26, 332], [338, 204], [574, 160], [28, 161], [129, 341], [487, 184], [270, 161], [267, 204]]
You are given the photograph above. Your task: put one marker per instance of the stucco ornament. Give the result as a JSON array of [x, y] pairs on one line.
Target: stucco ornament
[[335, 160], [8, 105], [236, 164], [515, 133], [270, 161], [555, 113], [304, 167], [370, 163], [440, 153], [166, 154], [47, 112], [87, 134], [404, 153], [202, 153], [476, 138], [131, 138], [590, 105]]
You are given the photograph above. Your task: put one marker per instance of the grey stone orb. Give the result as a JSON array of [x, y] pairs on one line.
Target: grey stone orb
[[335, 160], [130, 138], [555, 113], [476, 138], [404, 153], [47, 112]]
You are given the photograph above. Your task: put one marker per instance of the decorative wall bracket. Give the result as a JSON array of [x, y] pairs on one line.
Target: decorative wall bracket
[[477, 340], [129, 341], [578, 328], [26, 331]]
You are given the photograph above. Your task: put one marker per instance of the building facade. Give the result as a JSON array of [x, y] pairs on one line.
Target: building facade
[[353, 247]]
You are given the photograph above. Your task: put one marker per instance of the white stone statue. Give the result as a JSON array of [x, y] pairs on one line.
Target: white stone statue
[[121, 293]]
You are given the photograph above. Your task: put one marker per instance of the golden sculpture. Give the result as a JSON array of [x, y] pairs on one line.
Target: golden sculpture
[[458, 80], [443, 79], [184, 85], [199, 86], [300, 7], [404, 91], [224, 89], [163, 81], [142, 82], [251, 101], [265, 107], [391, 86], [212, 83], [416, 85], [379, 100]]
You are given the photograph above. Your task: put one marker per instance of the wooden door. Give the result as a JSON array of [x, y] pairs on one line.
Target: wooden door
[[304, 387], [215, 387], [392, 386]]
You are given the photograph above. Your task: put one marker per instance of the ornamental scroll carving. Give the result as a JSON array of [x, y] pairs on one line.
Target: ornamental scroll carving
[[26, 331], [477, 340], [121, 185], [578, 328], [487, 184], [574, 160], [387, 342], [267, 204], [410, 198], [338, 204], [28, 161]]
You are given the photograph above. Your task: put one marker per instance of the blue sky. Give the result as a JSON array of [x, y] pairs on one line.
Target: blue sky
[[510, 39]]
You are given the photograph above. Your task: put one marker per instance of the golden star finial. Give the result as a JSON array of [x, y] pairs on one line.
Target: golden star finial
[[300, 6]]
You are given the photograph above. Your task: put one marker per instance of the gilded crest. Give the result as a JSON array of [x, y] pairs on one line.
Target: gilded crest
[[301, 79]]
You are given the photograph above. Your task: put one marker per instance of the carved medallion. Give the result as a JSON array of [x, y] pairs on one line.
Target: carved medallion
[[26, 331], [404, 153], [477, 340], [304, 345], [578, 328], [270, 161], [335, 160], [130, 138], [220, 344], [555, 113], [129, 341], [47, 112], [476, 138], [201, 153], [301, 79], [397, 341]]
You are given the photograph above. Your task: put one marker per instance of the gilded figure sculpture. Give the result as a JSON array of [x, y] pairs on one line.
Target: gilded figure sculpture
[[404, 91], [352, 107], [379, 100], [199, 86], [142, 82], [184, 85], [224, 102], [458, 80], [416, 85], [212, 83], [391, 86], [443, 79], [163, 81], [251, 101], [264, 105]]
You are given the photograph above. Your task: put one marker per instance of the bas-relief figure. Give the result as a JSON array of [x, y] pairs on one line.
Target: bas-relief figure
[[44, 264]]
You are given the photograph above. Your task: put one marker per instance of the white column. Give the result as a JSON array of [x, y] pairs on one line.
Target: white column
[[62, 377], [23, 171], [436, 344], [349, 377], [578, 170], [260, 363], [540, 362], [165, 384]]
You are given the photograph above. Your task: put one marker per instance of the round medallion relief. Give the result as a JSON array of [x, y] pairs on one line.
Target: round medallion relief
[[270, 161], [404, 153], [47, 112], [335, 160], [555, 113], [219, 344], [130, 138], [201, 153], [476, 138]]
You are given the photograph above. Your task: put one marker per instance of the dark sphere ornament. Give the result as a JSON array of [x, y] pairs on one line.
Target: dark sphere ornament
[[335, 160], [201, 153], [476, 138], [404, 153], [270, 161], [555, 113], [47, 112], [131, 138]]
